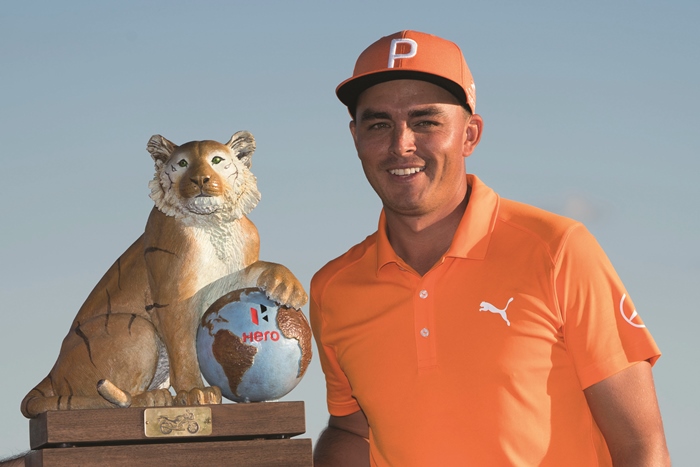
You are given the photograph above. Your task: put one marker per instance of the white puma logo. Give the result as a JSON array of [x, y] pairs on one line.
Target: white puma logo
[[486, 306]]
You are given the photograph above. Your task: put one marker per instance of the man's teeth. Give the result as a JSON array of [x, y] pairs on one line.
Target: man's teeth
[[410, 171]]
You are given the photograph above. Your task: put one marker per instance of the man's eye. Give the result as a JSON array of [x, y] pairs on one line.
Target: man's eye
[[182, 163], [379, 125], [216, 160]]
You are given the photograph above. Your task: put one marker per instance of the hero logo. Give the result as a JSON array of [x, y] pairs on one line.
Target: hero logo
[[254, 314], [259, 336], [632, 316], [393, 56]]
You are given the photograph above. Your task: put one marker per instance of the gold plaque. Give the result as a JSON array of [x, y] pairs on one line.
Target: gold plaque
[[165, 422]]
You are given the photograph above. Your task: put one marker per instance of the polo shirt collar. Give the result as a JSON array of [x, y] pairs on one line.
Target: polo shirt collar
[[473, 234], [474, 231]]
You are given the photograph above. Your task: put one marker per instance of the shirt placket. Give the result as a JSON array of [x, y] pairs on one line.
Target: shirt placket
[[424, 321]]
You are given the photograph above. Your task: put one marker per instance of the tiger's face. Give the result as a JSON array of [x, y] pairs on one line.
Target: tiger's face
[[201, 173], [204, 178]]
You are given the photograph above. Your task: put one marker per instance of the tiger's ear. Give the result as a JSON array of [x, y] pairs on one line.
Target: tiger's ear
[[243, 145], [160, 148]]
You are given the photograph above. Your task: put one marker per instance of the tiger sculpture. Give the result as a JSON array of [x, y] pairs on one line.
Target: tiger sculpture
[[135, 335]]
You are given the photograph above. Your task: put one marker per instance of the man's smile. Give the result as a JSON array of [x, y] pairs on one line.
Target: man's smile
[[409, 171]]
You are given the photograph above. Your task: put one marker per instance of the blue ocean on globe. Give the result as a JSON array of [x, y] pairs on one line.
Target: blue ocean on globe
[[251, 348]]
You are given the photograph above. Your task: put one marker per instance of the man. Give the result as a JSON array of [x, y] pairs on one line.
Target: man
[[469, 329]]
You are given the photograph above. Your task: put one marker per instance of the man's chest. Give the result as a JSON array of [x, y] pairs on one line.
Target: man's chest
[[462, 319]]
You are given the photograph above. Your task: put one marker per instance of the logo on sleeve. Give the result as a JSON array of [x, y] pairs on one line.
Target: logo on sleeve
[[631, 317], [486, 306]]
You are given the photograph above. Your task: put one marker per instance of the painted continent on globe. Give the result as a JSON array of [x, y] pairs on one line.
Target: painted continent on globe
[[251, 348]]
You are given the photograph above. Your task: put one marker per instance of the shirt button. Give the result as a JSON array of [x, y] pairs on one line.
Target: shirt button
[[424, 332], [423, 294]]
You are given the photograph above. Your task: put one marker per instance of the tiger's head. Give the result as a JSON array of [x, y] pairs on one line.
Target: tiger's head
[[203, 180]]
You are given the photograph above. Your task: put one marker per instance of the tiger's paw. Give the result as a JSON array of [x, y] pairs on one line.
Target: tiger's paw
[[282, 287], [198, 396], [153, 398]]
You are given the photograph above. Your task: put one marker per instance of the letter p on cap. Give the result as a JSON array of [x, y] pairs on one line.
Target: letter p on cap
[[393, 56]]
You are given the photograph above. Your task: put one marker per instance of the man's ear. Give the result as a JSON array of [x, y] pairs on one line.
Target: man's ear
[[353, 131], [475, 125]]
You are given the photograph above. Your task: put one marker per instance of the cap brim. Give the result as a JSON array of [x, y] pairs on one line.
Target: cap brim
[[349, 90]]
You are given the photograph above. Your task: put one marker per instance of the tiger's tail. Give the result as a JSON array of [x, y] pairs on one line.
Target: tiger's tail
[[113, 394], [43, 398]]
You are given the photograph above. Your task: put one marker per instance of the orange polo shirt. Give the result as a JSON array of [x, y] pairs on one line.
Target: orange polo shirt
[[481, 361]]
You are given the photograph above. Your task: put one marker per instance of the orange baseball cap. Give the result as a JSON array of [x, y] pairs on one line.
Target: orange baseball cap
[[410, 55]]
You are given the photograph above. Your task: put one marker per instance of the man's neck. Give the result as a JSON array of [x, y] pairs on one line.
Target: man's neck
[[421, 241]]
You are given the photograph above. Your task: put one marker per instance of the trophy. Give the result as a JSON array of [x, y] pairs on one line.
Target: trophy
[[189, 297]]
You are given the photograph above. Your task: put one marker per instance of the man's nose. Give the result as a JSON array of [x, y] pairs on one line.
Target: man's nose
[[403, 141]]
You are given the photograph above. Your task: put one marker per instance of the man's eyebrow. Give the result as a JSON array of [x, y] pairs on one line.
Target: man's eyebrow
[[371, 114], [425, 112]]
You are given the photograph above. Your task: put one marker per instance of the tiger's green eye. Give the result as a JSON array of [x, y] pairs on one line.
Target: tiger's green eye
[[182, 163], [216, 160]]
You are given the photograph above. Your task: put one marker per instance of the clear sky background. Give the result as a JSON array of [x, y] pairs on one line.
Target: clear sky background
[[591, 110]]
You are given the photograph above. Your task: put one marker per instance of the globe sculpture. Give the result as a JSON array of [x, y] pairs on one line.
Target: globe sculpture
[[251, 348]]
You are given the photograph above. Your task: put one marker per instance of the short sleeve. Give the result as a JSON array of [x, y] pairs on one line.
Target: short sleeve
[[338, 391], [602, 330]]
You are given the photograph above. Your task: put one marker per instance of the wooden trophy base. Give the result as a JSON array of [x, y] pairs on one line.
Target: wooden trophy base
[[256, 434]]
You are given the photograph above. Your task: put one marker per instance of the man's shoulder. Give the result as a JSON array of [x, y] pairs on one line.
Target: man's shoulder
[[543, 226], [514, 216], [532, 217], [351, 257]]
